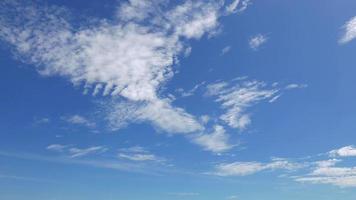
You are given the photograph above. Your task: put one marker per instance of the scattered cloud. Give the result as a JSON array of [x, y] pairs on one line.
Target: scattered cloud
[[75, 152], [137, 153], [326, 172], [204, 119], [57, 147], [112, 164], [160, 113], [79, 120], [43, 120], [312, 169], [341, 181], [349, 31], [347, 151], [296, 86], [237, 6], [129, 56], [190, 92], [128, 59], [249, 168], [256, 41], [217, 141], [225, 50], [236, 98]]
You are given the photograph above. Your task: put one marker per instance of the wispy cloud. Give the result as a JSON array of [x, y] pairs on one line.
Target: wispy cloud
[[57, 147], [249, 168], [184, 93], [318, 169], [347, 151], [79, 152], [75, 152], [121, 57], [43, 120], [257, 41], [79, 120], [217, 141], [296, 86], [225, 50], [160, 113], [138, 153], [326, 172], [236, 98], [237, 6], [349, 31], [113, 164]]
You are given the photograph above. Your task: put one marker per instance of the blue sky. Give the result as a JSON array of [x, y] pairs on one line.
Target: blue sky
[[192, 100]]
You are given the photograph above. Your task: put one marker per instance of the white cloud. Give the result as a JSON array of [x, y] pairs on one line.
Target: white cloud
[[326, 163], [326, 172], [217, 141], [256, 41], [343, 181], [193, 19], [249, 168], [137, 153], [160, 113], [237, 6], [79, 120], [295, 86], [130, 56], [346, 151], [204, 119], [349, 31], [44, 120], [138, 157], [57, 147], [190, 92], [75, 152], [236, 98], [225, 50], [96, 163]]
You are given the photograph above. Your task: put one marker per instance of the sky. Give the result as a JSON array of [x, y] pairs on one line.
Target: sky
[[177, 100]]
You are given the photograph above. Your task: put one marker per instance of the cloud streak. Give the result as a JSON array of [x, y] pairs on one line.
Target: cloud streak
[[249, 168], [75, 152], [217, 141], [235, 98], [349, 31], [257, 41]]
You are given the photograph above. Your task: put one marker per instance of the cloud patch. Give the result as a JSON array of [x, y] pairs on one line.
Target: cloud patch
[[137, 153], [236, 97], [217, 141], [130, 56], [74, 152], [237, 6], [249, 168], [347, 151], [349, 31], [79, 120], [257, 41]]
